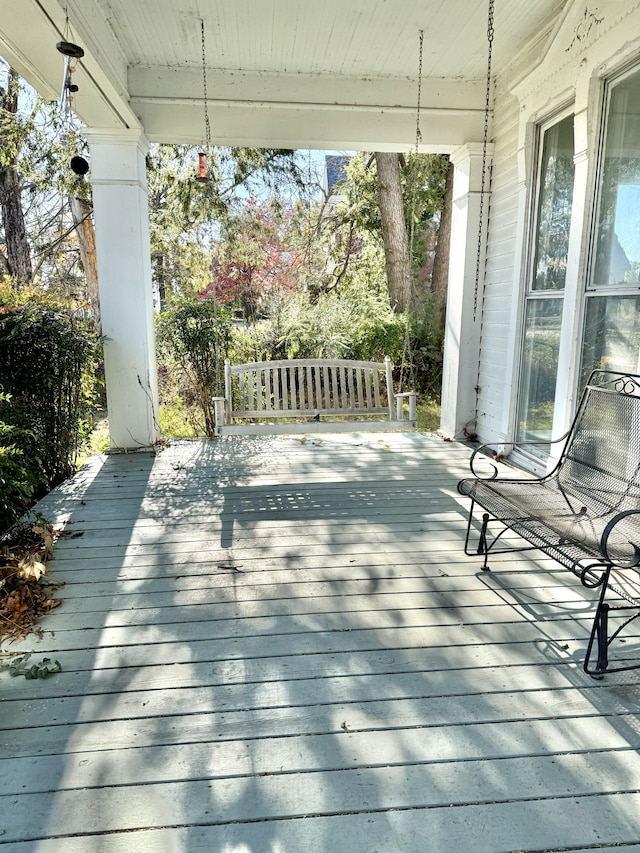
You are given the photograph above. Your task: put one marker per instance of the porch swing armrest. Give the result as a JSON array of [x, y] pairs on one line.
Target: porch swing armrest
[[399, 398], [220, 410]]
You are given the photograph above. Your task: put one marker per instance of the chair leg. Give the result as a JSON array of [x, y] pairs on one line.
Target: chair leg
[[602, 633], [599, 633], [483, 544]]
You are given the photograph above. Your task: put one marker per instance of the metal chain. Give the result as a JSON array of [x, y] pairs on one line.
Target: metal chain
[[417, 143], [207, 123], [419, 102], [485, 142], [407, 355], [309, 223]]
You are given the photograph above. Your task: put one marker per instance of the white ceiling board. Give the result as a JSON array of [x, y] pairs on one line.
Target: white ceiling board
[[277, 70]]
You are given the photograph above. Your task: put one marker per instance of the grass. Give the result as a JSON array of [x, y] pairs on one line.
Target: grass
[[428, 415]]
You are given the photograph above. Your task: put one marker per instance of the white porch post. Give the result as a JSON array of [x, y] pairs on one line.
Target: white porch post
[[462, 331], [118, 177]]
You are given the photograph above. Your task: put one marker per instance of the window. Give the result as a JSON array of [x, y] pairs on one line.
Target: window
[[545, 292], [611, 336]]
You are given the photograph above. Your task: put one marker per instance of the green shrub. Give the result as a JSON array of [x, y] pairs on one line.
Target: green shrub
[[193, 340], [17, 481], [47, 375]]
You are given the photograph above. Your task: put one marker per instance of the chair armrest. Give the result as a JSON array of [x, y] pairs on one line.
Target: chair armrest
[[634, 558], [482, 450]]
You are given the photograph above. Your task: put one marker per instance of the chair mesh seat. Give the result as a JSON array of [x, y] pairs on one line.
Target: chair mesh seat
[[568, 525]]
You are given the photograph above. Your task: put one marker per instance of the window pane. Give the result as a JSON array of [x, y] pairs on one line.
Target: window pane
[[554, 207], [611, 335], [617, 253], [540, 364]]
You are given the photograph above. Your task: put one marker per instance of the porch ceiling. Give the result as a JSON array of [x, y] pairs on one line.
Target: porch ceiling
[[287, 73]]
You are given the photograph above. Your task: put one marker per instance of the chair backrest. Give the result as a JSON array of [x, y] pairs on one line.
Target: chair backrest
[[601, 459]]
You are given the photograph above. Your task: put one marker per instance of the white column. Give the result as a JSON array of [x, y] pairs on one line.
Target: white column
[[462, 330], [118, 177]]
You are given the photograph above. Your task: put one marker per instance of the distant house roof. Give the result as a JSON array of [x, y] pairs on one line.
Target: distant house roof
[[334, 170]]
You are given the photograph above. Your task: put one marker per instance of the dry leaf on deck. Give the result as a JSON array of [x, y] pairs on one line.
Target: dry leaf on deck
[[30, 568]]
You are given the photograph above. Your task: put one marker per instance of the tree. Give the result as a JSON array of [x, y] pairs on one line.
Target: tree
[[252, 260], [47, 225], [82, 213], [17, 260], [187, 215], [394, 231], [408, 229], [440, 275]]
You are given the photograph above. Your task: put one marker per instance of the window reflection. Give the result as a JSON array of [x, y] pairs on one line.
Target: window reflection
[[611, 334], [541, 343], [617, 251], [543, 314], [612, 320], [554, 207]]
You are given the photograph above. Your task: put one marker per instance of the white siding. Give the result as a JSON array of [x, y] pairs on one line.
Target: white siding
[[501, 254]]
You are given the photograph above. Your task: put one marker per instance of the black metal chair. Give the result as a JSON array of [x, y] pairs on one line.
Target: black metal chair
[[585, 513]]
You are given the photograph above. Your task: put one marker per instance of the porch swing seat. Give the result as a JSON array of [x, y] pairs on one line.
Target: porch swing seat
[[312, 395]]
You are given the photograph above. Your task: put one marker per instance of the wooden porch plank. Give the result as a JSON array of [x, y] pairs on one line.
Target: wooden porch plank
[[310, 706], [193, 574], [133, 764], [109, 676], [251, 569], [135, 645], [140, 608], [206, 606], [271, 545], [561, 825], [297, 795], [501, 623]]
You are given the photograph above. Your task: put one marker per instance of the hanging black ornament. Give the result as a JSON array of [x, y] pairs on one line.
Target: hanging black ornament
[[68, 48], [79, 165]]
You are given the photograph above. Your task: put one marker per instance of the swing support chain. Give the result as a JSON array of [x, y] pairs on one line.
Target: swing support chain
[[407, 355], [485, 146]]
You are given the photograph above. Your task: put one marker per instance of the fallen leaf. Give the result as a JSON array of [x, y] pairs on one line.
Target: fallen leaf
[[30, 568], [46, 532]]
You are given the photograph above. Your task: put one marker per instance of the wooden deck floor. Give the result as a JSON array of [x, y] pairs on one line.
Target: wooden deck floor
[[278, 646]]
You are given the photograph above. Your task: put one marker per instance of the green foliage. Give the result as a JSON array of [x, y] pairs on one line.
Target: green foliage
[[47, 362], [356, 324], [428, 414], [17, 481], [193, 339], [426, 341], [423, 179], [18, 666], [176, 420]]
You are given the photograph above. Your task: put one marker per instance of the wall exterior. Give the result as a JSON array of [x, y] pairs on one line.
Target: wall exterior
[[589, 46]]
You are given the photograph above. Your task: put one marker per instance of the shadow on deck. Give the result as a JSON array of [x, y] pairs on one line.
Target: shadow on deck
[[278, 645]]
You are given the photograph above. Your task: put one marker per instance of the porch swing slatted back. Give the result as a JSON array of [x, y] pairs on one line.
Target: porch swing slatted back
[[300, 388]]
